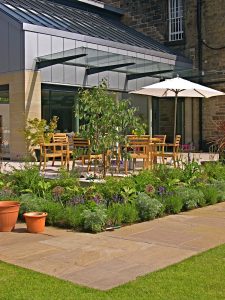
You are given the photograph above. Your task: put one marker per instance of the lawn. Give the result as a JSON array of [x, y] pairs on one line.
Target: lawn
[[199, 277]]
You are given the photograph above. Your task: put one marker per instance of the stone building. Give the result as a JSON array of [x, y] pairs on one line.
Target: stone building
[[51, 48], [196, 28]]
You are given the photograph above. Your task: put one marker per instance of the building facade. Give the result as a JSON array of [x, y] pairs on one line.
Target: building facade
[[49, 49], [196, 28]]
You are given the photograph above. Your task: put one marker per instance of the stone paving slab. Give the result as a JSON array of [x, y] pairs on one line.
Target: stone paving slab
[[109, 259]]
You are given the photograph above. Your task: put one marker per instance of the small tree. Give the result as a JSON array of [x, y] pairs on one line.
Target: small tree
[[105, 121], [37, 131]]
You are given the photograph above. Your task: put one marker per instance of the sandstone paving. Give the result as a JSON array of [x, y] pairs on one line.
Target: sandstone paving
[[109, 259]]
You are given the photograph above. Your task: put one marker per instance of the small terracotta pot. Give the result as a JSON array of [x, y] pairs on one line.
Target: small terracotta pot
[[9, 211], [35, 221]]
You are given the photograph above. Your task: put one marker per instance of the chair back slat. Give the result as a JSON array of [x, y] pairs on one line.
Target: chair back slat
[[161, 137], [177, 140], [81, 142], [60, 138]]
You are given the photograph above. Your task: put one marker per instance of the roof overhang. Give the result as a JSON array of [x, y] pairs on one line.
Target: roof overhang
[[97, 61]]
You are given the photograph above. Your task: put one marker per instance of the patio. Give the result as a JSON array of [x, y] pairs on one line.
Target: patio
[[52, 171], [110, 259]]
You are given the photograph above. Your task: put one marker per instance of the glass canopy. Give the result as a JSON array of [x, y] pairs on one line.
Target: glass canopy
[[96, 61]]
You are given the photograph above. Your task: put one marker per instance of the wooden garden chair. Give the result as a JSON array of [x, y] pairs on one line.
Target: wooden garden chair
[[82, 151], [159, 147], [51, 150], [174, 154], [63, 139], [138, 147]]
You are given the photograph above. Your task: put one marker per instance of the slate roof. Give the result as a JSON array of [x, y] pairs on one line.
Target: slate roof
[[78, 20]]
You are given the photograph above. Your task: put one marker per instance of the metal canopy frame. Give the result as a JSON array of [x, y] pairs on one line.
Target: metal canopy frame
[[42, 63], [97, 61]]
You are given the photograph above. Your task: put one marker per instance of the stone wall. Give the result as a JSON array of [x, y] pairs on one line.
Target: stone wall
[[150, 17], [146, 16]]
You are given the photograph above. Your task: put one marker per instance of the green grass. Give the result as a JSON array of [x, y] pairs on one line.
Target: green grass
[[200, 277]]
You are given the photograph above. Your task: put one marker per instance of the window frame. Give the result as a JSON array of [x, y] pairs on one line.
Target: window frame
[[4, 88], [175, 20]]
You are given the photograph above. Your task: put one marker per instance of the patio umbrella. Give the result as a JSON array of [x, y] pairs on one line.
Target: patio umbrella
[[177, 87]]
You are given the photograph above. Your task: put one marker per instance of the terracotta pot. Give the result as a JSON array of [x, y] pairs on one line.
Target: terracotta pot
[[9, 211], [35, 221]]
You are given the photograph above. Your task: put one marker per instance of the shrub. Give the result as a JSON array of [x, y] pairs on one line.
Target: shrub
[[191, 198], [215, 170], [130, 213], [94, 220], [115, 214], [220, 186], [173, 204], [143, 179], [72, 217], [69, 217], [148, 208], [211, 194], [116, 190], [29, 202], [27, 180]]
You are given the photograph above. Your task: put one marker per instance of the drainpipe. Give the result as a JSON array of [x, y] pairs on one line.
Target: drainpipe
[[199, 32]]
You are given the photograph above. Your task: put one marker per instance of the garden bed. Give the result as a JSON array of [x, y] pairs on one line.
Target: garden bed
[[117, 201]]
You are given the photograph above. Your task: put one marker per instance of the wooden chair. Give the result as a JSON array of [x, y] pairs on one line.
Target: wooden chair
[[51, 150], [63, 139], [159, 147], [138, 147], [82, 151], [174, 154]]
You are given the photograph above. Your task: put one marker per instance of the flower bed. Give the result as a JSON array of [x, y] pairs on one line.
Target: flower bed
[[118, 201]]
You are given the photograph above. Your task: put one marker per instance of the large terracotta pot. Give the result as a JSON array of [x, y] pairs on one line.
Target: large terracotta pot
[[9, 211], [35, 221]]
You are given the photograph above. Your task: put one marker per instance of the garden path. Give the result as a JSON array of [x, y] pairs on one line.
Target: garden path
[[109, 259]]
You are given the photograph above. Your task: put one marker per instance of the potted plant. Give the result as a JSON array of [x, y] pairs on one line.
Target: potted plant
[[35, 221], [39, 131], [8, 215]]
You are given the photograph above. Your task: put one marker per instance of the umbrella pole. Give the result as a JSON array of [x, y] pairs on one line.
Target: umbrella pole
[[150, 115], [175, 117]]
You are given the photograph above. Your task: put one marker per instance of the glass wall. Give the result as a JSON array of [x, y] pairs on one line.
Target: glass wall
[[163, 117], [58, 101], [4, 93]]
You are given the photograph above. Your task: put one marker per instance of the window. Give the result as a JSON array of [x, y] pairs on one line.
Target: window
[[4, 94], [175, 8]]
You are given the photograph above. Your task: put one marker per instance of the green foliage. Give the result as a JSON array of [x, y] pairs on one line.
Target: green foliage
[[118, 200], [37, 131], [144, 178], [173, 204], [191, 197], [121, 190], [191, 172], [28, 180], [106, 122], [215, 170], [94, 220], [68, 217], [122, 213], [115, 214], [148, 208], [211, 194], [220, 186], [130, 213]]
